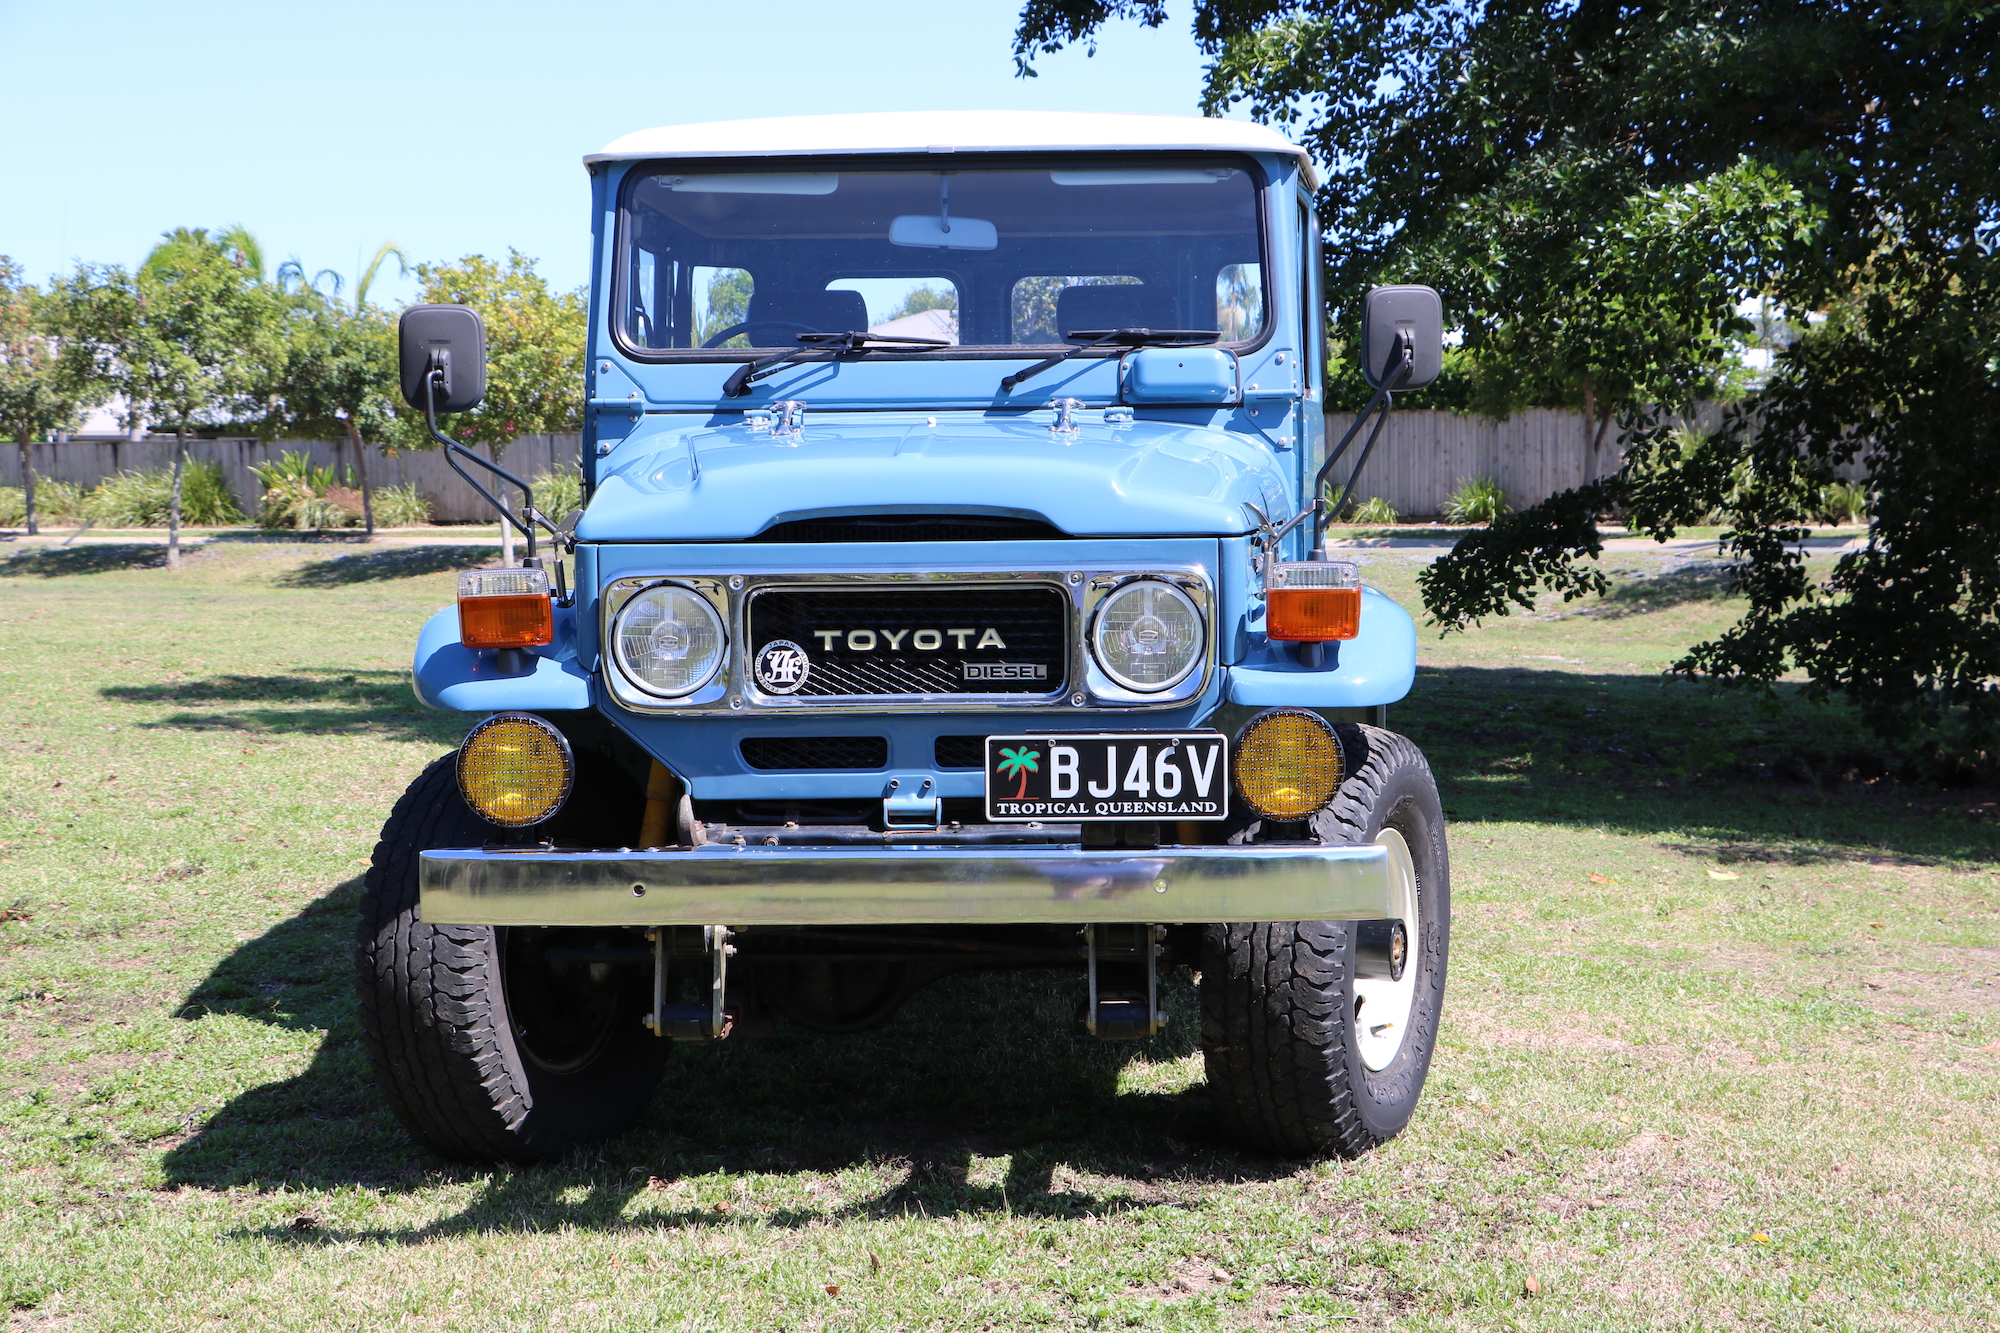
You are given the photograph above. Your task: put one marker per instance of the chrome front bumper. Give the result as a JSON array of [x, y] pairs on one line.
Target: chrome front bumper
[[827, 886]]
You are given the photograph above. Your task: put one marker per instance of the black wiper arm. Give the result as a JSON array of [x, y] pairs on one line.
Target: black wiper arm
[[1097, 338], [832, 347]]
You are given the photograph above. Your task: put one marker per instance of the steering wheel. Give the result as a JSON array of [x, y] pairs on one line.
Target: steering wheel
[[796, 328]]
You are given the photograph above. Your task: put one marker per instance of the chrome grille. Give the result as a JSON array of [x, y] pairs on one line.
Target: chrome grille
[[960, 640]]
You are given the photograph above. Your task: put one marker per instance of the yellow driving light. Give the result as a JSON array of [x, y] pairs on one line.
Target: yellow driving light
[[1288, 764], [515, 769]]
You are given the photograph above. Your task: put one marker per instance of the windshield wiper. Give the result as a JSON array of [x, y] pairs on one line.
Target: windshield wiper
[[831, 346], [1109, 338]]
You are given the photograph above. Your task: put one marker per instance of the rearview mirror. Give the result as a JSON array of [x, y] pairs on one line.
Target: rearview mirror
[[943, 233], [451, 338], [1391, 315]]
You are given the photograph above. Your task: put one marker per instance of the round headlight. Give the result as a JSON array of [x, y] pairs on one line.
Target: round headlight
[[1147, 636], [515, 769], [668, 641], [1288, 764]]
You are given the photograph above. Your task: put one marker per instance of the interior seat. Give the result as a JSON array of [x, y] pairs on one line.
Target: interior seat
[[1125, 306], [820, 312]]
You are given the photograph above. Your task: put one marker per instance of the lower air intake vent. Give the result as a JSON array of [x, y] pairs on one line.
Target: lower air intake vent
[[959, 751], [912, 528], [816, 752]]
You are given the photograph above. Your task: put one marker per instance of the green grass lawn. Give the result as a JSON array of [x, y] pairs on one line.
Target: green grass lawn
[[1721, 1045]]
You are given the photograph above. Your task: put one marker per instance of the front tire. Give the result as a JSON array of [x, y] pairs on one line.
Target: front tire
[[1294, 1046], [484, 1048]]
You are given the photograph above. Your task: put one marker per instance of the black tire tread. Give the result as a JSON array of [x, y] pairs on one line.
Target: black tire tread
[[426, 1020], [1274, 1030]]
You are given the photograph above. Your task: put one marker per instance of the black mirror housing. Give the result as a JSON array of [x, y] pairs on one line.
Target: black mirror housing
[[1416, 312], [451, 338]]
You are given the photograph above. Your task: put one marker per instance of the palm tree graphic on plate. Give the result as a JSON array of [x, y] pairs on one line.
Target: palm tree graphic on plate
[[1019, 762]]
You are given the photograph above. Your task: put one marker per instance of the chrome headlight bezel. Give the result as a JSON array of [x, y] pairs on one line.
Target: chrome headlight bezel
[[1197, 617], [698, 596]]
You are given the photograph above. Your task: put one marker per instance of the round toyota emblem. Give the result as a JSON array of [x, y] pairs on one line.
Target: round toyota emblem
[[782, 666]]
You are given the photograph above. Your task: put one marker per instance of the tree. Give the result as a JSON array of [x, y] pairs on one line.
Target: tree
[[338, 375], [1595, 188], [186, 341], [534, 353], [36, 398]]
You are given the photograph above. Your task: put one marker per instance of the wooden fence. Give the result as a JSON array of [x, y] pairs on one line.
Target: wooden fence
[[86, 462], [1421, 458], [1424, 455]]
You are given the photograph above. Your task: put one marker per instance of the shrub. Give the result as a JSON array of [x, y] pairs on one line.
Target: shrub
[[299, 496], [140, 499], [1477, 500], [1375, 510], [1844, 502], [558, 492], [402, 506]]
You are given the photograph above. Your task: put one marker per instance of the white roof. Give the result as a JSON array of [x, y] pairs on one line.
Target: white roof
[[948, 131]]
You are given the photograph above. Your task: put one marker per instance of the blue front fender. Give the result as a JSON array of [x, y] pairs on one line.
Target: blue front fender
[[1374, 668], [450, 676]]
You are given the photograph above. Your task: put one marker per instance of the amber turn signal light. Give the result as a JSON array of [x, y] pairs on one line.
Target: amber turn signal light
[[505, 608], [1312, 601]]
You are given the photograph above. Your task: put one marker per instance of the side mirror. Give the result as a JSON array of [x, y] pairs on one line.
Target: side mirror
[[1389, 316], [451, 338]]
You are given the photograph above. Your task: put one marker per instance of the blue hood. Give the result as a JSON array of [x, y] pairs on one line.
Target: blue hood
[[1141, 478]]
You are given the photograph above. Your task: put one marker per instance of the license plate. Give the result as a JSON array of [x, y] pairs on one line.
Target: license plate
[[1117, 775]]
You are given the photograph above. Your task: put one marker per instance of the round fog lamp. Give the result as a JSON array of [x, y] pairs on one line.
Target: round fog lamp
[[1288, 764], [515, 770]]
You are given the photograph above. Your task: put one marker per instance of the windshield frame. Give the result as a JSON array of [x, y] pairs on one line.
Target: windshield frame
[[1260, 181]]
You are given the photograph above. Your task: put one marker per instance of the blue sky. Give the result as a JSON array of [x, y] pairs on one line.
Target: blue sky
[[310, 122]]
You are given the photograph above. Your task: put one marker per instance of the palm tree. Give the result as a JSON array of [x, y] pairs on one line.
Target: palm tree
[[293, 273]]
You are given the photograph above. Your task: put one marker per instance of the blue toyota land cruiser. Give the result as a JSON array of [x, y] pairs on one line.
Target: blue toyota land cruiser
[[951, 594]]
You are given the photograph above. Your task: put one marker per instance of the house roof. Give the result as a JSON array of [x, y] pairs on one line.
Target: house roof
[[948, 132]]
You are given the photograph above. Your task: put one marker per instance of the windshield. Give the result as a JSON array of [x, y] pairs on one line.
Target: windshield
[[975, 257]]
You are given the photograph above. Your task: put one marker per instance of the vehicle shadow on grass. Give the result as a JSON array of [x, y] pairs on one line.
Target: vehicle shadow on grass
[[973, 1068], [376, 566], [310, 700], [1725, 773]]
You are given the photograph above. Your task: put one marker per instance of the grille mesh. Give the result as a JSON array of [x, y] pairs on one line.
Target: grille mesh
[[959, 751], [891, 641], [797, 752]]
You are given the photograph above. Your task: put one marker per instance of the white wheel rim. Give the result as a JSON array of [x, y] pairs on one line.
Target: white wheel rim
[[1382, 1008]]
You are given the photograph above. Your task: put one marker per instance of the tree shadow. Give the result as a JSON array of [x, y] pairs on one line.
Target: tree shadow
[[974, 1067], [377, 566], [314, 700], [56, 562], [1695, 582], [1714, 768]]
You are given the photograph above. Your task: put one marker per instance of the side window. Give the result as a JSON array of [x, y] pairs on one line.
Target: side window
[[1239, 302], [925, 307], [1312, 310], [721, 301], [1032, 311]]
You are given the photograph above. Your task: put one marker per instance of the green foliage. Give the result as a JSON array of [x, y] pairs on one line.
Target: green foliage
[[141, 498], [534, 349], [39, 393], [1374, 511], [302, 497], [1843, 503], [1476, 500], [1594, 190], [59, 502], [558, 492], [402, 506], [1034, 304]]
